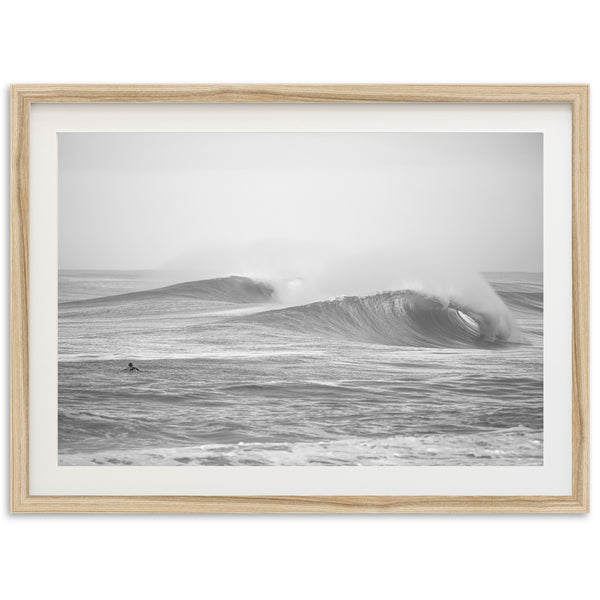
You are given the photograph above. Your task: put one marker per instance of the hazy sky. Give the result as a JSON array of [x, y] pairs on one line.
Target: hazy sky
[[208, 201]]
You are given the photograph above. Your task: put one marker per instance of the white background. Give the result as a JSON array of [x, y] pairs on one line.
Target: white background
[[212, 557]]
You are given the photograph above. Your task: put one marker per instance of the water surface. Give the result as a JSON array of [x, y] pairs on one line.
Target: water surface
[[231, 376]]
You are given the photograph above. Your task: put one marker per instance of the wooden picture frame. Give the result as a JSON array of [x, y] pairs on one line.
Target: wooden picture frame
[[22, 98]]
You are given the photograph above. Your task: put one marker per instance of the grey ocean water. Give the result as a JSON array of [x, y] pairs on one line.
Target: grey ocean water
[[231, 376]]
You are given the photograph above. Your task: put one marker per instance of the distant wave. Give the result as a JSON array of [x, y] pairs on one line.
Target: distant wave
[[239, 290], [400, 318], [527, 302]]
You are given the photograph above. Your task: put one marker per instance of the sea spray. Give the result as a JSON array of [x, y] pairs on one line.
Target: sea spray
[[449, 284]]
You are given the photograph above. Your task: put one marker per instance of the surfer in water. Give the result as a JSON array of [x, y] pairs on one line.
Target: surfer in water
[[130, 367]]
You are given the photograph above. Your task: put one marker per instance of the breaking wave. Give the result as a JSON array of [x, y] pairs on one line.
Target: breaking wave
[[240, 290], [473, 315], [400, 318]]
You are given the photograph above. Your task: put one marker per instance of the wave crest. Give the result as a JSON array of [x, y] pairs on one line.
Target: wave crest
[[399, 318], [233, 289]]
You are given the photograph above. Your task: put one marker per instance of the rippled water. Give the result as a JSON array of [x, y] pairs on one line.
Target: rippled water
[[220, 383]]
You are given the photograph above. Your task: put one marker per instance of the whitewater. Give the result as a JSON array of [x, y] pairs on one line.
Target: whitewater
[[250, 371]]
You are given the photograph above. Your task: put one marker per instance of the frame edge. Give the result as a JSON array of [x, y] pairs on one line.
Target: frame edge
[[19, 298], [580, 299]]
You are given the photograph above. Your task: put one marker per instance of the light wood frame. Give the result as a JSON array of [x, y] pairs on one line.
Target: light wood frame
[[22, 96]]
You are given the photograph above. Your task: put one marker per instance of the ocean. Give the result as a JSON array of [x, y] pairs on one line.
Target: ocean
[[230, 374]]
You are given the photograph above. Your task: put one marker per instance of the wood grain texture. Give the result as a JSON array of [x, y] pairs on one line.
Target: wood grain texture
[[19, 298], [580, 242], [21, 98], [300, 504], [298, 93]]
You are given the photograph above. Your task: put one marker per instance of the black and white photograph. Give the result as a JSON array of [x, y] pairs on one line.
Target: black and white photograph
[[300, 299]]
